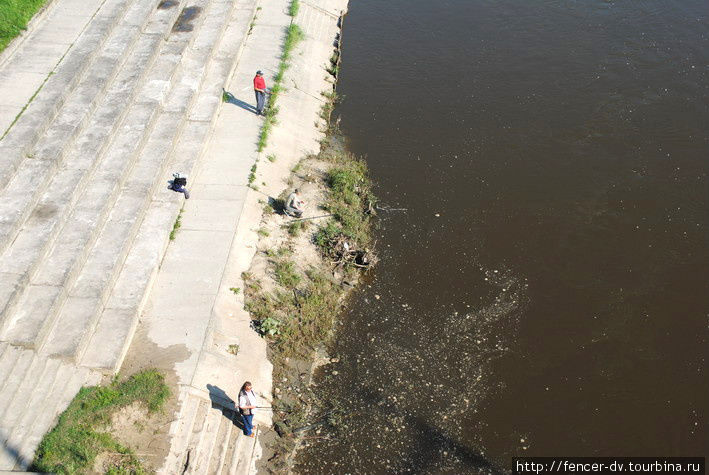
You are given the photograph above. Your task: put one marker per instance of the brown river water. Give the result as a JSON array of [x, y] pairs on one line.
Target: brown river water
[[546, 290]]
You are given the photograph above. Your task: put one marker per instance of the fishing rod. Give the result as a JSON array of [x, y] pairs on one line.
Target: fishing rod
[[312, 217], [273, 409]]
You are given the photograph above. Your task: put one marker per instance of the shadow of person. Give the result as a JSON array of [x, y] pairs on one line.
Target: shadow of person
[[12, 453], [278, 205], [220, 400], [230, 99]]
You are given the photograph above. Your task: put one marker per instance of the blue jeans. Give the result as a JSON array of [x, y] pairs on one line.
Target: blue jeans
[[248, 423], [260, 101], [181, 189]]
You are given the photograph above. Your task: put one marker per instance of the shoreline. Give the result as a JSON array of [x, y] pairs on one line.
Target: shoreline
[[300, 266], [297, 286]]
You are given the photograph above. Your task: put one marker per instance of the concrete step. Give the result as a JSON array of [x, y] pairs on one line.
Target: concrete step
[[236, 439], [202, 454], [243, 455], [38, 301], [222, 443], [11, 411], [129, 292], [30, 246], [120, 200], [109, 342], [36, 398], [181, 432], [33, 321], [141, 265], [8, 356], [57, 194], [79, 298], [22, 362], [67, 385], [40, 112], [89, 293], [27, 401], [198, 429], [205, 438]]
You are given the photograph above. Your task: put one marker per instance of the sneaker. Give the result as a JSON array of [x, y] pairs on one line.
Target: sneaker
[[187, 195]]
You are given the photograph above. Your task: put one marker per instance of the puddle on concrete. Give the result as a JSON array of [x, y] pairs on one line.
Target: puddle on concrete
[[165, 4], [184, 21]]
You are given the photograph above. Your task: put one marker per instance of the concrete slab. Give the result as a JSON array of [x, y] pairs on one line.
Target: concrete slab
[[32, 313], [211, 215], [74, 9], [192, 272], [36, 57], [7, 116], [20, 86], [220, 192]]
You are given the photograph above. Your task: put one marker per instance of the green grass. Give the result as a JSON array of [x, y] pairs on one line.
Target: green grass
[[80, 435], [176, 227], [252, 174], [334, 63], [14, 16], [293, 8], [301, 318], [350, 200], [286, 274], [293, 36], [296, 227]]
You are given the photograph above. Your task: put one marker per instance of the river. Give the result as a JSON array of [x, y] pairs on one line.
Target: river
[[544, 279]]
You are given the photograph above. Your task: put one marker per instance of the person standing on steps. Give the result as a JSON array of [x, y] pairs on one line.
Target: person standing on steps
[[260, 90], [247, 403]]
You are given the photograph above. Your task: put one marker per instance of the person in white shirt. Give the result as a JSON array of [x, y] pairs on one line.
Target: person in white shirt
[[247, 404], [294, 205]]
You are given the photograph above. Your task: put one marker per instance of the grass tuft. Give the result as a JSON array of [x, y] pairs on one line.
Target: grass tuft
[[80, 436], [293, 8], [176, 227], [296, 227], [286, 274], [350, 200], [294, 34]]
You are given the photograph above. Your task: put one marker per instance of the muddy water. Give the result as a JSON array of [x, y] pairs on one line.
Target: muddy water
[[546, 291]]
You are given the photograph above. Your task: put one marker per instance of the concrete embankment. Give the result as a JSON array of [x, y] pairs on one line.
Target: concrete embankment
[[91, 281]]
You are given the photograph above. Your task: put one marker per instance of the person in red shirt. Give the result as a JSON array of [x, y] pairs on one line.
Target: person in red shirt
[[260, 90]]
